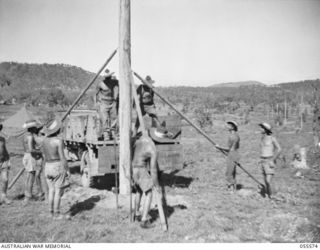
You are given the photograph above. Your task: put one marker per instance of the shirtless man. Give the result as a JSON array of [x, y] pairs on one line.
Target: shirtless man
[[4, 169], [145, 176], [270, 151], [233, 156], [32, 159], [107, 98], [56, 167], [147, 106]]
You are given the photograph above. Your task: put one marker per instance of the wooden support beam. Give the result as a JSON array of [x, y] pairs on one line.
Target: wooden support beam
[[125, 98]]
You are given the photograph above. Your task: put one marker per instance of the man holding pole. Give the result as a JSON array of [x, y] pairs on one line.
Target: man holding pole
[[146, 99], [32, 159], [270, 151], [4, 170], [232, 154], [145, 180], [107, 99]]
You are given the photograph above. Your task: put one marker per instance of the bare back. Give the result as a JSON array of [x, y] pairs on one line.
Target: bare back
[[144, 151], [29, 143], [53, 149]]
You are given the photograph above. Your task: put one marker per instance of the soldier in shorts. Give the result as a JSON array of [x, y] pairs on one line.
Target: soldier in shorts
[[56, 168], [233, 155], [270, 151], [145, 176], [4, 170], [147, 106], [107, 99], [32, 159]]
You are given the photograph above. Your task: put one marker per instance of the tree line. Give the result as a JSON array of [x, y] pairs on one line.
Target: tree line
[[59, 84]]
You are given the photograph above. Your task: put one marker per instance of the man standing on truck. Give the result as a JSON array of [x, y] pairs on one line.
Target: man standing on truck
[[56, 167], [145, 176], [233, 155], [4, 169], [270, 151], [107, 99], [147, 106], [32, 159]]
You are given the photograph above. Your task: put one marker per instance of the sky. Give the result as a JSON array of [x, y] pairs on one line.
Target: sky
[[177, 42]]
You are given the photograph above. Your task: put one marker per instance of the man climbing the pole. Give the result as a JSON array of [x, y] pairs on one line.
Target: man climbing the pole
[[107, 99], [232, 154], [32, 159], [4, 170], [147, 106], [145, 176], [56, 167], [270, 151]]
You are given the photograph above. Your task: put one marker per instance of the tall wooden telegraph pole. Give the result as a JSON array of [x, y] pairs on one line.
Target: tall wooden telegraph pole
[[124, 96]]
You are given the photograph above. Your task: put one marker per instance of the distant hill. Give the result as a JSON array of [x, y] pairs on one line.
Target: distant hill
[[237, 84], [42, 83], [42, 76]]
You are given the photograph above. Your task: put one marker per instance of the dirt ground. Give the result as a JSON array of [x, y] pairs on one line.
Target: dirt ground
[[199, 208]]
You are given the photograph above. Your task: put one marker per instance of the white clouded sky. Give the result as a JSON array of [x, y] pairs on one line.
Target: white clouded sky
[[189, 42]]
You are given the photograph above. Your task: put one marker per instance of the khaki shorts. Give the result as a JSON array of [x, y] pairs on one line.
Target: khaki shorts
[[267, 166], [55, 174], [5, 165], [142, 178], [30, 163]]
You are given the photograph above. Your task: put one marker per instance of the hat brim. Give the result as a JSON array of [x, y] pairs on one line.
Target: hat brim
[[233, 124], [31, 125], [48, 131], [267, 129], [159, 135]]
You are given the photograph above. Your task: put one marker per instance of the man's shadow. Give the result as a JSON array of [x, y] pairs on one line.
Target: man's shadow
[[170, 180], [85, 205], [173, 180]]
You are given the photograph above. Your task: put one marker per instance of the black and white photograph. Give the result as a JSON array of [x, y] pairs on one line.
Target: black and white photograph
[[159, 121]]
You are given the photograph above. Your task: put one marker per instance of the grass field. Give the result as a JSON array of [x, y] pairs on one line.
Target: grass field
[[199, 207]]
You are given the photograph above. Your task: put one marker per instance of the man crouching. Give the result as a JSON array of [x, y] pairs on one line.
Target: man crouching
[[56, 167], [145, 176]]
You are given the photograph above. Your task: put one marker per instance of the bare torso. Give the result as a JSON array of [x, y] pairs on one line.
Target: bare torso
[[267, 146], [233, 142]]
